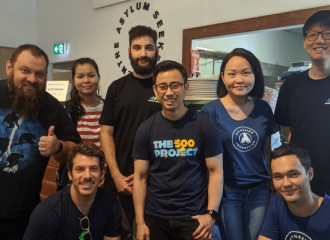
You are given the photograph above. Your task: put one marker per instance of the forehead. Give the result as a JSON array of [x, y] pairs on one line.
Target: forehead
[[143, 41], [25, 58], [169, 76], [237, 62], [286, 163], [318, 28], [86, 67], [85, 161]]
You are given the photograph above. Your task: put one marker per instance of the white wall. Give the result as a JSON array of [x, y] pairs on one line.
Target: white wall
[[275, 47], [93, 32], [18, 22]]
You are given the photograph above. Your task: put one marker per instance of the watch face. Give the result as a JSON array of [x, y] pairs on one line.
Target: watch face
[[213, 214]]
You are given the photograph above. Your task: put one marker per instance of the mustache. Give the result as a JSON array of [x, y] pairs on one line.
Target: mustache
[[88, 180]]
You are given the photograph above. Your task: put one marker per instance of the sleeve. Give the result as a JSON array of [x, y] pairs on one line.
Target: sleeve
[[282, 115], [212, 139], [267, 111], [141, 142], [208, 110], [43, 224], [107, 115], [270, 228], [272, 97], [114, 227]]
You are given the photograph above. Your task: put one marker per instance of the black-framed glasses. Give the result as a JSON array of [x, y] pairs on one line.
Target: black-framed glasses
[[84, 224], [312, 36], [175, 87]]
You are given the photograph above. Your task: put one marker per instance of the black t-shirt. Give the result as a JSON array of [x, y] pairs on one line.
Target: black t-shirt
[[304, 105], [128, 103], [177, 182], [59, 218], [21, 165]]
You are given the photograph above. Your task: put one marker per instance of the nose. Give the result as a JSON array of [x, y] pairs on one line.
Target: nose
[[320, 38], [87, 174], [143, 52], [239, 78], [286, 182], [32, 78], [169, 91]]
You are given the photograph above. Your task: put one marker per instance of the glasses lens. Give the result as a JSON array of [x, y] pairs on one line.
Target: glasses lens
[[84, 223], [326, 35], [176, 87], [87, 236], [162, 87], [312, 36]]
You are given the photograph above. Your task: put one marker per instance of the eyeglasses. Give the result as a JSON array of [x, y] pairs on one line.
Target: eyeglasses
[[84, 224], [312, 36], [175, 87]]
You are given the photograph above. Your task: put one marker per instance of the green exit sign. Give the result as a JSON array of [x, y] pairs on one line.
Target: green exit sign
[[60, 48]]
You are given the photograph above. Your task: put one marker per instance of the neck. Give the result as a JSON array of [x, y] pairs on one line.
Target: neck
[[89, 100], [142, 76], [175, 115], [307, 206], [236, 100], [320, 69], [83, 203]]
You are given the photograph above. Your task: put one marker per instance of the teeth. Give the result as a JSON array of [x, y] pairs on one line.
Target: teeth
[[87, 184], [170, 100]]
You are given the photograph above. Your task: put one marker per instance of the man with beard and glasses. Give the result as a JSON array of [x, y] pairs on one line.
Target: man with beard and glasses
[[130, 100], [33, 126], [82, 210]]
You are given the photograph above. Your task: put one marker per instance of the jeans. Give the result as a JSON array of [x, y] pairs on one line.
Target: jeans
[[242, 211]]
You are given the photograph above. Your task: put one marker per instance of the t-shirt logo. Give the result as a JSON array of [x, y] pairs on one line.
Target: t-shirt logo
[[245, 139], [176, 148], [293, 235], [153, 99]]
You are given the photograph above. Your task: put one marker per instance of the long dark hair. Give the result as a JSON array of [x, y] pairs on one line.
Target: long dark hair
[[77, 110], [258, 88]]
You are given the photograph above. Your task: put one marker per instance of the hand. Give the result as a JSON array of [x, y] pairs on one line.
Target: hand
[[129, 180], [205, 228], [48, 145], [122, 185], [142, 232]]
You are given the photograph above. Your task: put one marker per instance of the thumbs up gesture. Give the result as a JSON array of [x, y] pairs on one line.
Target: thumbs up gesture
[[48, 145]]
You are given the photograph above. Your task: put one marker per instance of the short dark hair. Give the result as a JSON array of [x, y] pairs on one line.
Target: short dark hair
[[140, 31], [258, 88], [87, 149], [320, 18], [168, 65], [292, 149], [34, 50]]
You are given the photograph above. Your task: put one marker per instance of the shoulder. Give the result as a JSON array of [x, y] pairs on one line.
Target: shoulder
[[106, 200], [3, 83], [52, 101], [211, 105], [295, 79]]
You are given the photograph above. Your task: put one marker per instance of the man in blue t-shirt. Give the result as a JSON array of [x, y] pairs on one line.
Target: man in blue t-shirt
[[295, 212], [82, 210], [177, 155]]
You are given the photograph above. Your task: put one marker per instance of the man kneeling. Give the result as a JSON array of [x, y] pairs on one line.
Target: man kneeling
[[295, 212], [82, 210]]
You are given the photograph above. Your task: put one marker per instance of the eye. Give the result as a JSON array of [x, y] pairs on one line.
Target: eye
[[247, 72], [24, 70], [40, 75], [162, 87], [92, 75], [94, 169], [136, 47], [311, 35], [326, 34], [175, 85], [294, 175], [150, 48], [79, 169], [277, 177], [231, 74]]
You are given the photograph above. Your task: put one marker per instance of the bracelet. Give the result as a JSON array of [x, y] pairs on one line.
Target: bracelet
[[272, 191], [60, 147]]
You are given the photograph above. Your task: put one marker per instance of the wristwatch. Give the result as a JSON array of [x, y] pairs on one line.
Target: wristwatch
[[60, 146], [214, 214]]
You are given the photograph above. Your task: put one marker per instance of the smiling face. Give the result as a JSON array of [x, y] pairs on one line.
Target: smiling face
[[238, 76], [320, 48], [171, 100], [290, 178], [86, 175], [86, 79]]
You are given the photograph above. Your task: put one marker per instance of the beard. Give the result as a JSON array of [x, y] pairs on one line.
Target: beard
[[143, 70], [26, 105]]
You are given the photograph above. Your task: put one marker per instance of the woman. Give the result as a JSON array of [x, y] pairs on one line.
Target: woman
[[84, 107], [245, 123]]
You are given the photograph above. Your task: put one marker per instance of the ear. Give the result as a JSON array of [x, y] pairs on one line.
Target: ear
[[103, 174], [129, 49], [70, 175], [221, 74], [9, 68], [310, 174], [155, 90], [305, 42]]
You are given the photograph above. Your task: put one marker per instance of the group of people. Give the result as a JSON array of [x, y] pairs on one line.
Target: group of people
[[171, 172]]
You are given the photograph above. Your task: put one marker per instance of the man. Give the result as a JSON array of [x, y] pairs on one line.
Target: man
[[82, 210], [175, 151], [33, 126], [295, 212], [303, 106], [129, 102]]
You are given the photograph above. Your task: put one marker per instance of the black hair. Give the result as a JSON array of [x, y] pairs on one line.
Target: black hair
[[320, 18], [140, 31], [258, 88], [168, 65], [77, 110], [291, 149]]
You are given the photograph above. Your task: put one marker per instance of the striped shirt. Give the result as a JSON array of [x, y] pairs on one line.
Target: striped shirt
[[88, 125]]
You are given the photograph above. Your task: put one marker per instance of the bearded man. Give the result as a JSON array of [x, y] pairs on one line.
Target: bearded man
[[130, 101], [33, 126]]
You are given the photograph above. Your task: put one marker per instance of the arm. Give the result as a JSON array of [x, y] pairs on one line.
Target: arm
[[108, 147], [286, 133], [111, 238], [267, 152], [206, 222], [263, 238], [141, 169]]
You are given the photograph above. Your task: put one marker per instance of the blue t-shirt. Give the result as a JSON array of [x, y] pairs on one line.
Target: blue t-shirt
[[281, 223], [244, 159], [177, 182], [59, 218]]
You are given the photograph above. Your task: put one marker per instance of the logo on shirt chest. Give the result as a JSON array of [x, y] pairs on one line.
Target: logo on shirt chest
[[244, 139], [294, 235], [176, 148]]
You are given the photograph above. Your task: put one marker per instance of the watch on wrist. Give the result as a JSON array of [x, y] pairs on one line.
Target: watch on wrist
[[214, 214], [60, 146]]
